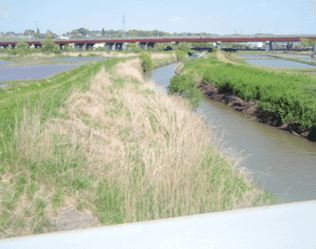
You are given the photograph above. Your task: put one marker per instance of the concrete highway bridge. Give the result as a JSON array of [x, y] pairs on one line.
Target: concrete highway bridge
[[117, 43]]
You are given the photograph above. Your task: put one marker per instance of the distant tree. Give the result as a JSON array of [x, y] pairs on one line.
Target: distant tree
[[49, 34], [75, 32], [78, 36], [38, 31], [307, 42], [29, 32], [84, 31], [103, 32]]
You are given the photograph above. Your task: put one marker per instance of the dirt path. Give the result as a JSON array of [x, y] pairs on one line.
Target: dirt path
[[202, 54], [223, 58]]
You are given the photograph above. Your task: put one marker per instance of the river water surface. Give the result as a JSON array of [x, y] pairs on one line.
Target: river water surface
[[281, 163]]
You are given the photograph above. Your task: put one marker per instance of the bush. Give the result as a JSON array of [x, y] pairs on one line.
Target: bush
[[184, 85], [56, 50], [147, 63], [137, 50], [185, 47], [181, 56], [23, 46], [67, 48], [279, 95], [133, 47], [12, 51], [48, 45]]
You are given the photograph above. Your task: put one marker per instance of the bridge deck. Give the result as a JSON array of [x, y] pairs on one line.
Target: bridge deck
[[167, 39]]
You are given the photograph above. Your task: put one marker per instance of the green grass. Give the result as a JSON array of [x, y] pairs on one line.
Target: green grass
[[289, 98]]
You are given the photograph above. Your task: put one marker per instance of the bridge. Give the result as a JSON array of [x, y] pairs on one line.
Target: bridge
[[288, 226], [117, 42]]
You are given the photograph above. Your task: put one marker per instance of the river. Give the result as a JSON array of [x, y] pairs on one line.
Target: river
[[281, 163]]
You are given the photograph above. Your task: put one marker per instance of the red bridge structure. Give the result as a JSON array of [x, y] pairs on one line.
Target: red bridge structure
[[117, 43]]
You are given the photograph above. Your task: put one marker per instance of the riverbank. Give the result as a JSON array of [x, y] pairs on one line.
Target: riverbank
[[248, 108], [97, 146], [282, 100]]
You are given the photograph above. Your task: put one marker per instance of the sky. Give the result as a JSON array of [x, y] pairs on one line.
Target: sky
[[216, 17]]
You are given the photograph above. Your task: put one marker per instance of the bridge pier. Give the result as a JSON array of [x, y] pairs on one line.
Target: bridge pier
[[89, 45], [314, 51], [37, 45], [151, 44], [268, 46], [109, 46], [288, 46], [143, 45], [119, 46], [61, 46], [218, 45], [79, 46]]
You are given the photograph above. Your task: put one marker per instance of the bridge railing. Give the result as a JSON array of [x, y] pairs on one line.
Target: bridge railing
[[219, 37]]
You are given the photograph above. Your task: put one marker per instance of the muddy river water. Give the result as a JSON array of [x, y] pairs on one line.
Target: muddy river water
[[281, 163]]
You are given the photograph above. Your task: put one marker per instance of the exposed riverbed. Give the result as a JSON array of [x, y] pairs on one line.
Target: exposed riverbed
[[281, 163]]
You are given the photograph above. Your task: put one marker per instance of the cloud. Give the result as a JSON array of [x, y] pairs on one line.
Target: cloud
[[177, 19], [262, 5]]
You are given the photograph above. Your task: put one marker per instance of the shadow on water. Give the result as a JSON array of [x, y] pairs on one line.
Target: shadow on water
[[281, 163]]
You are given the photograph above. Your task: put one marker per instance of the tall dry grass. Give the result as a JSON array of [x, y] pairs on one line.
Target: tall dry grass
[[125, 153]]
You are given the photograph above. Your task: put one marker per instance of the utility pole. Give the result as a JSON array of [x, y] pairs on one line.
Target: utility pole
[[123, 26], [36, 29]]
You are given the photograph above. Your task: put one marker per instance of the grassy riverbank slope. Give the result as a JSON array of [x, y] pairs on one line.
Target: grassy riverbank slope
[[281, 99], [97, 146]]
